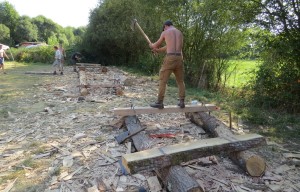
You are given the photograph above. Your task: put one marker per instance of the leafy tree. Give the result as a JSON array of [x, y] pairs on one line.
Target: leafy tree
[[211, 30], [109, 37], [26, 31], [9, 17], [46, 27], [69, 36], [53, 40], [4, 34], [277, 84]]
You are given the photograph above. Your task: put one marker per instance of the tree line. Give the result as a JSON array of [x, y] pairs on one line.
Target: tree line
[[215, 31], [15, 29]]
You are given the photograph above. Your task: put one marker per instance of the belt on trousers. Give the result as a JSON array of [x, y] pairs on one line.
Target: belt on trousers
[[177, 54]]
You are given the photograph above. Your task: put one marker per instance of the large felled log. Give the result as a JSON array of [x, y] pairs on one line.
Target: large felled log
[[157, 158], [175, 178], [253, 164], [82, 82]]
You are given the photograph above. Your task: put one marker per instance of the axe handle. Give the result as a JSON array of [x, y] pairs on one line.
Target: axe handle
[[143, 33], [131, 134]]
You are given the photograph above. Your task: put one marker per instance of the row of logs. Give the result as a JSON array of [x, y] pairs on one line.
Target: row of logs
[[176, 178]]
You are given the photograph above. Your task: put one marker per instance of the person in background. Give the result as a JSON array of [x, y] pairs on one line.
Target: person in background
[[76, 57], [2, 54], [63, 57], [56, 64], [172, 63]]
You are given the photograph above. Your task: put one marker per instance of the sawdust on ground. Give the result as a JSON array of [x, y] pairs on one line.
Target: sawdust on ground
[[54, 140]]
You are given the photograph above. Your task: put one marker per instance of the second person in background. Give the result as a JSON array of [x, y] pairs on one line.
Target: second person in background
[[56, 64], [62, 59]]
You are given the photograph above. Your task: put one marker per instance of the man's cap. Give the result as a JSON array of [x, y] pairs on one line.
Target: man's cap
[[168, 23]]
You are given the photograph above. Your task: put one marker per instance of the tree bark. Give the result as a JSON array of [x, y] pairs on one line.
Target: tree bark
[[177, 179], [157, 158], [253, 164]]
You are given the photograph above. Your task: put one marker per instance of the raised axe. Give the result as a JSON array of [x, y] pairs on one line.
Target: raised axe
[[134, 24]]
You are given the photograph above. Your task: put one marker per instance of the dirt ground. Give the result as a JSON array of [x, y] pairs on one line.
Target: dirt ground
[[52, 139]]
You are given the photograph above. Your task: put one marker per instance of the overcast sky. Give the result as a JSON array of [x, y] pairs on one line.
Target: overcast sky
[[74, 13]]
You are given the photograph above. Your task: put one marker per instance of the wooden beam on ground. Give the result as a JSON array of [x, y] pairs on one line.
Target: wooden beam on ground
[[167, 109], [175, 154], [82, 83], [176, 177], [253, 164], [92, 66], [38, 73], [88, 65], [101, 86]]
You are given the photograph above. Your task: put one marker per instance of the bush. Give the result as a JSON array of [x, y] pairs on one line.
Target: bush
[[277, 85], [41, 54]]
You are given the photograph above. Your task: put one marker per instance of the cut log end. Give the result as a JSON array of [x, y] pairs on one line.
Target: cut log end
[[84, 92], [255, 166]]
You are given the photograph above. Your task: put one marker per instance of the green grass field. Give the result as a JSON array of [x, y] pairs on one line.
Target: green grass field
[[242, 71]]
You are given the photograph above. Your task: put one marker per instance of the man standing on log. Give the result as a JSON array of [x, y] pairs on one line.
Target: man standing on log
[[173, 62]]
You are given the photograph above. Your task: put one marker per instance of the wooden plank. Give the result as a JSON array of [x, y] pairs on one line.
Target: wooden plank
[[158, 158], [88, 65], [82, 82], [168, 109], [101, 86], [38, 73]]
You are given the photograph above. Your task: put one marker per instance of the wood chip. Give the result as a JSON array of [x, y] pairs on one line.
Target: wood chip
[[291, 155], [154, 184], [10, 186], [283, 168], [68, 177]]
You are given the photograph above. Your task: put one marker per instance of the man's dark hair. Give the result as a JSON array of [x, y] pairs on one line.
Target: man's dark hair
[[168, 23]]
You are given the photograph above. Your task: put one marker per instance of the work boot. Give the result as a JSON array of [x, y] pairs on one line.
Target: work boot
[[157, 104], [181, 103]]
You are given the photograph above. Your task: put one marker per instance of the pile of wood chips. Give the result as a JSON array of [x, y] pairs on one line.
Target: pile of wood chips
[[55, 139]]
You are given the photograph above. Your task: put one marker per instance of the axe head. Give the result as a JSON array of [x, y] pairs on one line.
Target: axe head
[[133, 22]]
